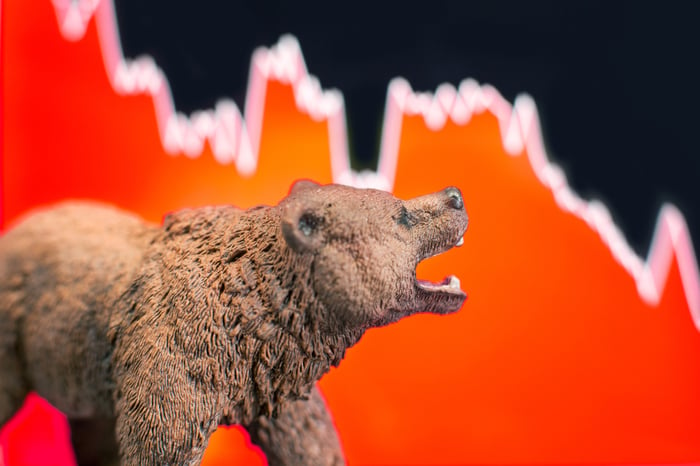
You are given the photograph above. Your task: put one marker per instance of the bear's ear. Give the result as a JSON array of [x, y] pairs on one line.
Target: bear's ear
[[301, 227], [301, 185]]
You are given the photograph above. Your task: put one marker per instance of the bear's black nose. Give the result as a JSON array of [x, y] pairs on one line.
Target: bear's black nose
[[454, 198]]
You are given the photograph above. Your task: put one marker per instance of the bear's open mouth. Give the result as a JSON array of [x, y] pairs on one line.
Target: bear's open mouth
[[449, 284]]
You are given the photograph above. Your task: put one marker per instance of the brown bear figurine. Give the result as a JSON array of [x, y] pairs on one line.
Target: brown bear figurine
[[149, 337]]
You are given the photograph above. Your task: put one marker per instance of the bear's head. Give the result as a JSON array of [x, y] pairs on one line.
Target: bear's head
[[362, 247]]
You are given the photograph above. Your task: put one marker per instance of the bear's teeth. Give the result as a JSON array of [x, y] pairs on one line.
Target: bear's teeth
[[460, 242], [454, 282]]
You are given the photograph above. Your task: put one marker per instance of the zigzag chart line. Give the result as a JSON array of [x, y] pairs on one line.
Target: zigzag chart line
[[235, 138]]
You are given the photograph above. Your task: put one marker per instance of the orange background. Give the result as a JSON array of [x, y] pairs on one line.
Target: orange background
[[553, 359]]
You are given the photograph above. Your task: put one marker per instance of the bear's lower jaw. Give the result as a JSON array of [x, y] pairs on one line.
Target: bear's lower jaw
[[444, 297], [448, 284]]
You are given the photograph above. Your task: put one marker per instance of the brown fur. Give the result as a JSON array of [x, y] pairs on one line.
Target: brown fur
[[220, 316]]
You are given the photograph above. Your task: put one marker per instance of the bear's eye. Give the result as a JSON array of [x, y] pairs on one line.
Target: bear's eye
[[405, 218], [308, 222]]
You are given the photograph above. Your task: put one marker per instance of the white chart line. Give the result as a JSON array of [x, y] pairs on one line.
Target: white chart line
[[235, 138]]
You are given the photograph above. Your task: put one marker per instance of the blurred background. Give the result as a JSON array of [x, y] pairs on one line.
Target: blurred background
[[556, 354]]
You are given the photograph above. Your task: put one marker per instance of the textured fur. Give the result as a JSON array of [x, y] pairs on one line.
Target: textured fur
[[219, 316]]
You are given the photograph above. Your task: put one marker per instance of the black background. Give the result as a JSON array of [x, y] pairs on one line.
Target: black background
[[615, 83]]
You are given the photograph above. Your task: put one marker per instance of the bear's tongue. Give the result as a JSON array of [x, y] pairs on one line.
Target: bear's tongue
[[448, 284]]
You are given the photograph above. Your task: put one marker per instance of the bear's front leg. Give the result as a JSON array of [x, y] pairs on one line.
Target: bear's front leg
[[302, 434], [163, 418]]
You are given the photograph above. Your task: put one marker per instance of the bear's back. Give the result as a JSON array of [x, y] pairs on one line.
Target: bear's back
[[71, 244]]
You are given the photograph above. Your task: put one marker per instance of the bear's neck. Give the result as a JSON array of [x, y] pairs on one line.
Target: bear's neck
[[240, 283]]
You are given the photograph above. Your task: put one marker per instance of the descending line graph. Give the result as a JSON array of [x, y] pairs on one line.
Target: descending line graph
[[235, 138], [571, 348]]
